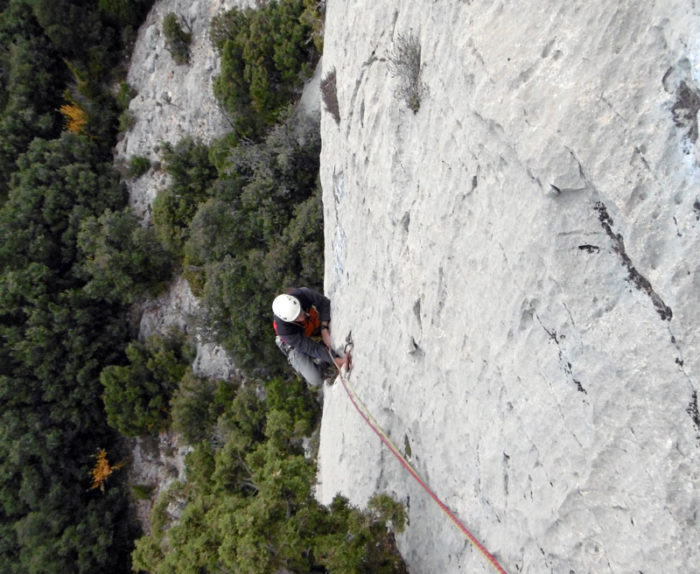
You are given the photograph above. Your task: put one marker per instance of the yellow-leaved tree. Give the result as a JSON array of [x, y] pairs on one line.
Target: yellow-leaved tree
[[76, 118], [102, 470]]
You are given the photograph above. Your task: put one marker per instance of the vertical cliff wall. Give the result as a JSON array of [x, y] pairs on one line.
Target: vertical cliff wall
[[518, 264]]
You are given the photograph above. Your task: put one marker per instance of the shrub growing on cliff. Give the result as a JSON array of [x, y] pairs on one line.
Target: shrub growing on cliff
[[177, 40], [313, 17], [192, 174], [137, 395], [125, 93], [198, 403], [265, 56], [406, 67], [138, 165], [123, 259]]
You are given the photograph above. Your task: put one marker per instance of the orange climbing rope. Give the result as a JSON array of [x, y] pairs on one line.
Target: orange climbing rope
[[366, 415]]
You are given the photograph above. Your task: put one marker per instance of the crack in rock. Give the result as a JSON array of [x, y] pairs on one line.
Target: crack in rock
[[506, 464], [692, 410], [566, 365], [634, 276]]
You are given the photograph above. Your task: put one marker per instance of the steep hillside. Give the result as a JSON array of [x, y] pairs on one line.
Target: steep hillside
[[171, 102], [518, 264]]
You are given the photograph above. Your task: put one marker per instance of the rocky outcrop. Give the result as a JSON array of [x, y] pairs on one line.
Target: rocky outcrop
[[172, 101], [517, 262]]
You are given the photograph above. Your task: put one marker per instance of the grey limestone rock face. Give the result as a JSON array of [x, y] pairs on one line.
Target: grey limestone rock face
[[518, 264]]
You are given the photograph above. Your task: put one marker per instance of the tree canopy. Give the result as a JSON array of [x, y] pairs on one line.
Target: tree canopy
[[249, 506], [55, 334]]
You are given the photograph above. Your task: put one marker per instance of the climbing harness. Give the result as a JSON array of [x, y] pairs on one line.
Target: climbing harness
[[364, 412]]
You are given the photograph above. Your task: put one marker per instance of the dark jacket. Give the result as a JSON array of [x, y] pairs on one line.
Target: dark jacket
[[293, 334]]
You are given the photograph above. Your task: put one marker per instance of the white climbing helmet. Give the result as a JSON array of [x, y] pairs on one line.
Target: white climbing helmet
[[286, 307]]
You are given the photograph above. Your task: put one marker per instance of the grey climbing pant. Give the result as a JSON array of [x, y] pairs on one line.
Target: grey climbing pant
[[302, 364]]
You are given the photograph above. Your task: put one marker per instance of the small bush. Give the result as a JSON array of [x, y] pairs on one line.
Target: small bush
[[138, 165], [127, 119], [142, 491], [125, 94], [197, 404], [177, 40], [137, 395], [123, 260], [406, 67], [192, 173], [329, 95]]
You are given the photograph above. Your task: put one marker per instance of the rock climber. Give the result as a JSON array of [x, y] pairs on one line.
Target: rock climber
[[302, 323]]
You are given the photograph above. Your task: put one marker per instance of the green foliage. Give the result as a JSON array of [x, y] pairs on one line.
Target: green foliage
[[33, 77], [293, 398], [59, 184], [192, 174], [142, 491], [313, 16], [386, 509], [123, 259], [265, 55], [197, 404], [138, 165], [55, 340], [71, 29], [177, 40], [56, 336], [261, 230], [248, 504], [126, 121], [123, 13], [137, 395], [125, 94], [49, 48]]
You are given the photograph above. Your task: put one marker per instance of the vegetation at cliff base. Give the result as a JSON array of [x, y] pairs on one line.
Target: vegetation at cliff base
[[248, 505], [241, 219], [260, 231], [57, 124]]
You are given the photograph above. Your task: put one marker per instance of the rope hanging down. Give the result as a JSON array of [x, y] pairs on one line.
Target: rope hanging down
[[369, 419]]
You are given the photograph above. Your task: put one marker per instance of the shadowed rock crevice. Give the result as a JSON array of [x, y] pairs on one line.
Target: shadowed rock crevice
[[693, 411], [685, 110], [634, 276]]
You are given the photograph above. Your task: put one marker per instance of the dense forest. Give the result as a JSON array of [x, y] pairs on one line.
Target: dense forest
[[241, 218], [57, 129]]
